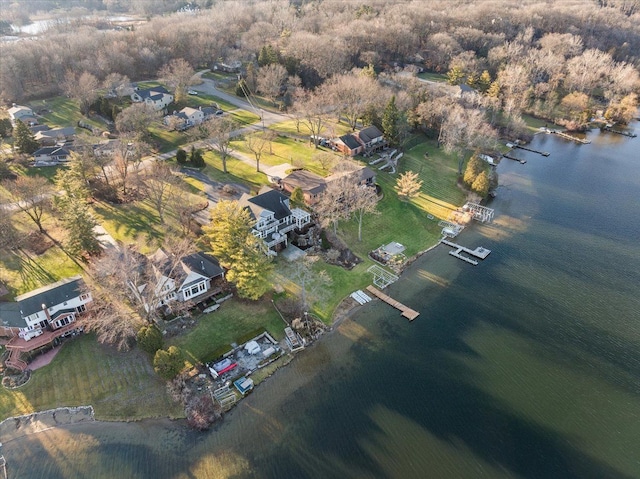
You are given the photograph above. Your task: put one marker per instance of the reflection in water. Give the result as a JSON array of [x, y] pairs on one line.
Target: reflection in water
[[524, 366]]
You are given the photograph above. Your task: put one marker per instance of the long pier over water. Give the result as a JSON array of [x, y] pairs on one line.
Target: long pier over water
[[479, 252], [407, 312]]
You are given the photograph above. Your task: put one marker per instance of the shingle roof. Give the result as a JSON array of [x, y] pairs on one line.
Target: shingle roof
[[50, 295], [369, 133], [307, 181], [10, 315], [351, 141], [273, 201], [204, 264]]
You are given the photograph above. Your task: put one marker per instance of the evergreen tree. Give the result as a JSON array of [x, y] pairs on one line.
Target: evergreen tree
[[484, 81], [455, 76], [297, 196], [251, 269], [6, 129], [390, 119], [168, 364], [481, 184], [149, 338], [24, 140], [474, 167], [181, 156], [267, 56], [79, 224]]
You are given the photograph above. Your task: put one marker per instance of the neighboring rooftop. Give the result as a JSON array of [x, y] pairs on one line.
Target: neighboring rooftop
[[50, 295]]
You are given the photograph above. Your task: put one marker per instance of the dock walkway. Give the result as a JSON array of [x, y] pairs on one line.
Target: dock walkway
[[407, 312], [479, 252]]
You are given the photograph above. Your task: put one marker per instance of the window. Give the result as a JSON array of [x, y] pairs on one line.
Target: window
[[81, 309], [194, 290]]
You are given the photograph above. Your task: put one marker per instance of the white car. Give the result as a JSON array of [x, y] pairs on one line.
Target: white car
[[32, 334], [192, 92]]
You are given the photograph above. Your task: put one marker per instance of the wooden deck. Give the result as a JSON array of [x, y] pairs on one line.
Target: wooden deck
[[479, 252], [407, 312]]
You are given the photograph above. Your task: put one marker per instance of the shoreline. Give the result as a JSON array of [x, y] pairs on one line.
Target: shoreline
[[339, 317]]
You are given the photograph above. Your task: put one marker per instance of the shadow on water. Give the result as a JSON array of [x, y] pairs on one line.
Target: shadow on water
[[449, 409]]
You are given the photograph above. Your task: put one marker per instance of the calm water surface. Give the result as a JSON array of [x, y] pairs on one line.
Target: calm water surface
[[525, 366]]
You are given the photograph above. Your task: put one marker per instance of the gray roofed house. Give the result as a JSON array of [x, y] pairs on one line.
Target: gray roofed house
[[51, 295], [50, 156], [10, 316], [54, 135], [273, 218], [370, 136], [158, 97]]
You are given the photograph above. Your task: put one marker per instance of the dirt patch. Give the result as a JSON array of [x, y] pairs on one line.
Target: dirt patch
[[19, 426], [38, 243]]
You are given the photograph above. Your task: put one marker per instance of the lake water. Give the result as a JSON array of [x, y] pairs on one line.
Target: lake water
[[525, 366]]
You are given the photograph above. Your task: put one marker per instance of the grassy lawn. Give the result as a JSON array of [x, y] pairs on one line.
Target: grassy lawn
[[136, 223], [233, 322], [120, 386], [23, 271], [433, 76], [332, 128], [237, 171], [165, 139], [62, 112]]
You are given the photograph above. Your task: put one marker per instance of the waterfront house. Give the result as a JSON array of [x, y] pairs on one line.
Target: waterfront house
[[273, 218], [192, 278]]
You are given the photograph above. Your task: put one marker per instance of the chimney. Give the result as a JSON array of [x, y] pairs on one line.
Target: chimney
[[46, 312], [202, 265]]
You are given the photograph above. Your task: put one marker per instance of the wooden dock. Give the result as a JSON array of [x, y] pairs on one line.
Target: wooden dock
[[543, 153], [407, 312], [522, 162], [569, 137], [479, 252], [619, 132]]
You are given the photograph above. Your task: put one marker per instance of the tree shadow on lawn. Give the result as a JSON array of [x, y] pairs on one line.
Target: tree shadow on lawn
[[132, 221], [30, 271]]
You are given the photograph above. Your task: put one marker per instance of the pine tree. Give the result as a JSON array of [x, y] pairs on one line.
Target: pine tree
[[79, 224], [390, 119], [149, 338], [455, 76], [24, 140], [474, 167], [484, 82], [481, 184], [181, 156]]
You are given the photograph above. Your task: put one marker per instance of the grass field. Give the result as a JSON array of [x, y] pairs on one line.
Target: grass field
[[332, 128], [237, 171], [433, 76], [231, 323], [61, 112], [23, 271], [120, 386]]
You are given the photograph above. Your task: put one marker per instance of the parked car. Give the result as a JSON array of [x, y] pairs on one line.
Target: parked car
[[192, 92], [32, 334]]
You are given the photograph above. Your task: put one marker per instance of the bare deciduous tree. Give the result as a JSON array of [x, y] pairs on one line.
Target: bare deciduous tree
[[135, 120], [256, 142], [178, 74], [83, 88], [271, 79], [159, 186], [216, 133], [31, 195]]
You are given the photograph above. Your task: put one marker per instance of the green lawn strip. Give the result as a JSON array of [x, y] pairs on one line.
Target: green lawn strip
[[433, 76], [244, 117], [332, 128], [62, 112], [165, 139], [202, 100], [23, 271], [235, 319], [132, 223], [119, 385], [237, 171]]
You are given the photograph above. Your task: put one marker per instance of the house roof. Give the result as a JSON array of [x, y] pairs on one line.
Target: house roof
[[154, 93], [204, 264], [363, 173], [187, 110], [18, 108], [272, 201], [10, 315], [350, 141], [307, 181], [39, 128], [55, 133], [51, 151], [369, 133], [50, 295]]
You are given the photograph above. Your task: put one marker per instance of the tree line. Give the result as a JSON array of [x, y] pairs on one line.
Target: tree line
[[316, 40]]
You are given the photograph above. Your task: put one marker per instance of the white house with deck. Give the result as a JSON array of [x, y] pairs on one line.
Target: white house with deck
[[274, 218]]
